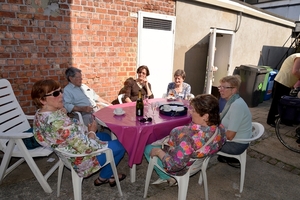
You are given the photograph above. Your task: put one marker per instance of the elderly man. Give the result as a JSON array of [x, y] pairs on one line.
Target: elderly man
[[79, 97]]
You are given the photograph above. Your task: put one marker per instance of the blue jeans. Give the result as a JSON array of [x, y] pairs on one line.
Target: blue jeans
[[234, 148], [118, 153], [158, 171]]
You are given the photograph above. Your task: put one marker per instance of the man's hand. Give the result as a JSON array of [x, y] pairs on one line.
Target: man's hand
[[88, 109]]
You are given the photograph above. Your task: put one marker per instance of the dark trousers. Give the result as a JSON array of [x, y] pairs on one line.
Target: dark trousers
[[278, 91]]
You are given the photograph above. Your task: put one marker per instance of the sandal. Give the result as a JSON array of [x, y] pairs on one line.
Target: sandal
[[99, 182], [172, 182], [113, 183]]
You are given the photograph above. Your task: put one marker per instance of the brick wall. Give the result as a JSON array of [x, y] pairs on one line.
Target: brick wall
[[39, 39]]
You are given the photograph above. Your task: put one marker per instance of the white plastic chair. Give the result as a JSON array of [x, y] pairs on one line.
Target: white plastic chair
[[183, 181], [258, 130], [13, 123], [112, 135], [76, 180], [120, 97]]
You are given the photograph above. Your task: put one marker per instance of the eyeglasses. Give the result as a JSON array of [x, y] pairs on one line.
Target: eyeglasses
[[55, 93], [146, 120], [142, 73], [224, 87]]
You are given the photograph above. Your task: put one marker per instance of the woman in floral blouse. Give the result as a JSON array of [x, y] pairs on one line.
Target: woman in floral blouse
[[184, 141], [179, 88], [53, 128]]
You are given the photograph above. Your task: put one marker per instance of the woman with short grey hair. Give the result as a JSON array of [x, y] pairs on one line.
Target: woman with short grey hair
[[179, 88]]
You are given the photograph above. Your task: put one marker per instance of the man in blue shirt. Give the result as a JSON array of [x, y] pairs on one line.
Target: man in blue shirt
[[79, 97]]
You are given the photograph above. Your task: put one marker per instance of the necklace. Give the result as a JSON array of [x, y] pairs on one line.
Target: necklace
[[140, 85]]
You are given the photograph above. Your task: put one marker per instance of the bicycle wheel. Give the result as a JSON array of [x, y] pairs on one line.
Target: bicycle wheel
[[287, 135]]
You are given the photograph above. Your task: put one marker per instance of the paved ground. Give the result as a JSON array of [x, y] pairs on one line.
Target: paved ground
[[272, 172]]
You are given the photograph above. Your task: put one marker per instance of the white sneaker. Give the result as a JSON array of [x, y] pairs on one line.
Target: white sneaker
[[159, 181]]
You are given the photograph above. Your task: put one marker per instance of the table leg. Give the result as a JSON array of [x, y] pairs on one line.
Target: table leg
[[133, 173]]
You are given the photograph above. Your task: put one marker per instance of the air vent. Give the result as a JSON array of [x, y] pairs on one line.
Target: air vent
[[158, 24]]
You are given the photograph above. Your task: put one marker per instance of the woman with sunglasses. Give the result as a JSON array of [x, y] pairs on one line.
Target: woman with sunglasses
[[184, 141], [236, 117], [54, 129], [132, 86]]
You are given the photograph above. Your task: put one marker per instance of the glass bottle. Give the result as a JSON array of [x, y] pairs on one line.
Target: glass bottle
[[139, 108]]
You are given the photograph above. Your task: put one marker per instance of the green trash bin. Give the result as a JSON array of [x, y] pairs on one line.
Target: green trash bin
[[252, 78], [264, 88]]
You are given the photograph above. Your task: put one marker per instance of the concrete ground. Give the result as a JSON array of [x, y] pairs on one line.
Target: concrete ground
[[272, 172]]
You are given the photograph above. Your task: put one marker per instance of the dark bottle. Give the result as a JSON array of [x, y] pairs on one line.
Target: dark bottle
[[139, 108]]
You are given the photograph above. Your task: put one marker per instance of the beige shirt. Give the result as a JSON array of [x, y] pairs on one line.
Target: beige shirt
[[285, 76]]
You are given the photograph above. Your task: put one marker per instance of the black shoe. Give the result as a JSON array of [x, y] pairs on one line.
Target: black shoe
[[272, 124], [298, 132], [234, 164], [222, 159], [298, 140]]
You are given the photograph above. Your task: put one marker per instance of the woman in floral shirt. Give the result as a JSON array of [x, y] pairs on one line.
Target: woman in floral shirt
[[53, 128], [184, 141], [179, 88]]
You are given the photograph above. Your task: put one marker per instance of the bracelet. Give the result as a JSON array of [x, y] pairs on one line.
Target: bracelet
[[92, 132]]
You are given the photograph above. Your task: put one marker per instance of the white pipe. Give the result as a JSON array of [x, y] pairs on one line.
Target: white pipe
[[231, 5]]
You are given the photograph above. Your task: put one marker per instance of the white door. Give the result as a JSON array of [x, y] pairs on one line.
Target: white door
[[156, 49], [219, 57]]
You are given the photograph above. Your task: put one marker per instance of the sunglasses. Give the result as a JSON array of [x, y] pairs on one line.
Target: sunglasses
[[142, 73], [146, 120], [55, 93]]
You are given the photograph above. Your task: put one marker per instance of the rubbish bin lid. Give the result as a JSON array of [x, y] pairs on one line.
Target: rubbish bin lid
[[257, 69], [268, 68]]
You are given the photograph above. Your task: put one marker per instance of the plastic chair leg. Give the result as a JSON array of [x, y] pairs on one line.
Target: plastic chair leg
[[34, 168], [243, 160], [59, 177], [149, 173], [110, 159], [183, 184], [77, 185]]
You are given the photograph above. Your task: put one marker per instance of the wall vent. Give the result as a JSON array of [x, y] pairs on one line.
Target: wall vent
[[158, 24]]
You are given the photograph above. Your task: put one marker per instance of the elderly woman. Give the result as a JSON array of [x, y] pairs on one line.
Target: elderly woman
[[132, 86], [53, 128], [184, 141], [178, 87], [236, 117]]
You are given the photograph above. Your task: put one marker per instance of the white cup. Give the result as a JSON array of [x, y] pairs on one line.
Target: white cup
[[118, 110]]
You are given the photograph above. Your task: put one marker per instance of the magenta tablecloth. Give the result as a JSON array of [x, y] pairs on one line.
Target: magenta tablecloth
[[135, 135]]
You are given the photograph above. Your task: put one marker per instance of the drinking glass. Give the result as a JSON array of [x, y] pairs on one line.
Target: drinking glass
[[154, 106], [171, 93]]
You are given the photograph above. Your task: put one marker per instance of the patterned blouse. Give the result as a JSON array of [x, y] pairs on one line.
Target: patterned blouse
[[57, 130], [186, 89], [183, 143]]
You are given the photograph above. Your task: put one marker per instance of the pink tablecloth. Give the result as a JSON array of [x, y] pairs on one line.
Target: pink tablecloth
[[135, 135]]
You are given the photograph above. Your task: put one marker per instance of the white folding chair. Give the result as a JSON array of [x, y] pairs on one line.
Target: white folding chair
[[120, 97], [76, 180], [183, 181], [13, 123], [257, 131]]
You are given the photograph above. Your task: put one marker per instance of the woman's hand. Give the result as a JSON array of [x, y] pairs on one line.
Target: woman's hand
[[64, 110], [93, 126]]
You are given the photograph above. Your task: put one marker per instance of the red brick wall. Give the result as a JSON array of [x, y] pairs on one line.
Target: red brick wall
[[39, 40]]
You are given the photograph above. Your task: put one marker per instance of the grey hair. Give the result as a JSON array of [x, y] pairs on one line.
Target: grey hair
[[71, 72]]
